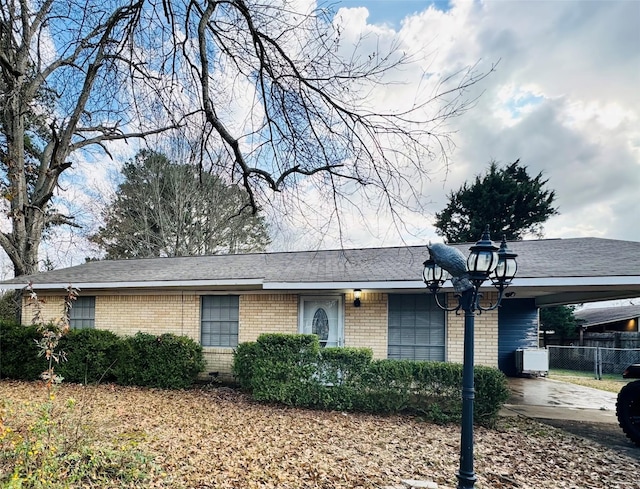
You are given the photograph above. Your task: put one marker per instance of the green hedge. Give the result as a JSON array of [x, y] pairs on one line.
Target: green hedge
[[243, 361], [19, 353], [293, 370], [166, 361], [283, 366], [91, 356]]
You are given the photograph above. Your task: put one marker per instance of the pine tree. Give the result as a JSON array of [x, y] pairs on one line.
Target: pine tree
[[168, 209]]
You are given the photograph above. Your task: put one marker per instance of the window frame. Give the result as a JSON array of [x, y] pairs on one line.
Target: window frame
[[228, 324], [436, 351], [82, 314]]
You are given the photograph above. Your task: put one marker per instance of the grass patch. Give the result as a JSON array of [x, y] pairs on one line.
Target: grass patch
[[46, 444], [609, 382]]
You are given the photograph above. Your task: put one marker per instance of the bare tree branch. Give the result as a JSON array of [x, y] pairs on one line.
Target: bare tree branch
[[271, 96]]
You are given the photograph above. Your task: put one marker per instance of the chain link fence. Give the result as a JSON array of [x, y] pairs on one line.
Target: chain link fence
[[592, 359]]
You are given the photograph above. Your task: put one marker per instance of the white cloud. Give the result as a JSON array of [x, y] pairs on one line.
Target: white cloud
[[563, 99]]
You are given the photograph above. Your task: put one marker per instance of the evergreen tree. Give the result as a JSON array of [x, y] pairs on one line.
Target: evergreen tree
[[276, 87], [560, 320], [507, 199], [168, 209], [10, 306]]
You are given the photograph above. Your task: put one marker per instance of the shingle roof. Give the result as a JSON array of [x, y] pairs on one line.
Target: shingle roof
[[604, 315], [576, 257]]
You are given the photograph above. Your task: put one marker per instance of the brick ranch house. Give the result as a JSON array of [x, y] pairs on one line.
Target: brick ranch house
[[223, 300]]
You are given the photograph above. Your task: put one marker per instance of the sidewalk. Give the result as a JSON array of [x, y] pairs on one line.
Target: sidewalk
[[544, 398]]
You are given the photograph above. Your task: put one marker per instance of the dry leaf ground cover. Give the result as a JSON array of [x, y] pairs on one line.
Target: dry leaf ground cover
[[220, 438]]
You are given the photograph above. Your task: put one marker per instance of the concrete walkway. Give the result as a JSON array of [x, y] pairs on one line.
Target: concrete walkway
[[544, 398]]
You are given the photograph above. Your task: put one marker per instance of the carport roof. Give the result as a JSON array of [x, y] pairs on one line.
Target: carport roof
[[605, 315], [558, 266]]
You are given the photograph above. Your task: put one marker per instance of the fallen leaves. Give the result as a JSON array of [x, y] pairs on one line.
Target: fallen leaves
[[220, 438]]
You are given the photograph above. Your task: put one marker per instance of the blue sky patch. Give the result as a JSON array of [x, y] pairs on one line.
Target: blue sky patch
[[392, 12]]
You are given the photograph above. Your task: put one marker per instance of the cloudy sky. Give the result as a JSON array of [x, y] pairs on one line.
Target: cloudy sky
[[564, 99]]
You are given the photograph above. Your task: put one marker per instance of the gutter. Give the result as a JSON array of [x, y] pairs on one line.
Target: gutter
[[138, 285], [377, 285]]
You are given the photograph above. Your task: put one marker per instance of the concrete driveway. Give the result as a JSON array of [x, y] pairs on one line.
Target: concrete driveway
[[544, 398], [582, 411]]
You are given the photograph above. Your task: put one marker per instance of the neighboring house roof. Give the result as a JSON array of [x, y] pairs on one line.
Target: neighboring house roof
[[606, 315], [562, 270]]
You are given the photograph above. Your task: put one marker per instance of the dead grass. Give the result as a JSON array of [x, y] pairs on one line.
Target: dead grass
[[219, 438], [609, 385]]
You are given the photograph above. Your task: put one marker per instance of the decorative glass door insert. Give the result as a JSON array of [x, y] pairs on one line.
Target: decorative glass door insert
[[322, 316]]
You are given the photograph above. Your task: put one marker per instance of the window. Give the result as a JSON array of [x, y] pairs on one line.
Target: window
[[416, 328], [219, 320], [83, 313]]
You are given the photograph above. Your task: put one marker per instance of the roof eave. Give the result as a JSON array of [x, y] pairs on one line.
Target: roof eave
[[140, 284]]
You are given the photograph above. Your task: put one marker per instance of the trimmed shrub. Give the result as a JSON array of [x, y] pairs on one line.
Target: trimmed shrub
[[337, 380], [343, 365], [91, 355], [19, 353], [292, 369], [386, 387], [492, 391], [166, 361], [244, 357], [283, 367]]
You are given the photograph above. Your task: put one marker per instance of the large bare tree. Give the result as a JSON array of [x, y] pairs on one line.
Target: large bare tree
[[269, 88], [65, 67]]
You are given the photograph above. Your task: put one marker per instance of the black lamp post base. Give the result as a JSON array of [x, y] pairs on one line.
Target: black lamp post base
[[466, 480]]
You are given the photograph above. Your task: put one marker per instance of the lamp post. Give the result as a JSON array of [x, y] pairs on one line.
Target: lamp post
[[485, 261]]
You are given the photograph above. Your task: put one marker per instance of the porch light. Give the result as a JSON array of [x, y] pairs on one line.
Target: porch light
[[356, 297], [483, 258], [507, 266], [434, 275], [485, 261]]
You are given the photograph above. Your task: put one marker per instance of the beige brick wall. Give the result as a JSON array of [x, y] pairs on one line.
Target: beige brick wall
[[51, 308], [366, 326], [155, 314], [485, 332], [179, 313], [127, 314], [218, 360], [267, 313]]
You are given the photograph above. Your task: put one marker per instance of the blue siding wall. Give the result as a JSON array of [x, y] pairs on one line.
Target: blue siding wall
[[517, 328]]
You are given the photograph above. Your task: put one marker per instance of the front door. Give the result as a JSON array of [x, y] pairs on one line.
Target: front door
[[322, 316]]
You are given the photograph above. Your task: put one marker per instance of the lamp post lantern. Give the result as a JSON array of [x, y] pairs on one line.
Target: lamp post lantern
[[485, 261]]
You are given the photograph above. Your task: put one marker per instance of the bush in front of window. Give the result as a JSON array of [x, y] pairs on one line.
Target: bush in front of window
[[91, 356], [293, 370], [166, 361]]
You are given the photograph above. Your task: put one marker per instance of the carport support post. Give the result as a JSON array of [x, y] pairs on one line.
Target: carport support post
[[466, 475]]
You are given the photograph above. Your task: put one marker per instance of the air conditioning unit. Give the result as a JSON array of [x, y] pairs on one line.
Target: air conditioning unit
[[532, 361]]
